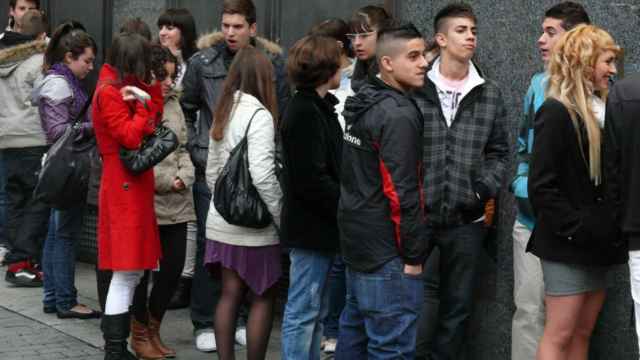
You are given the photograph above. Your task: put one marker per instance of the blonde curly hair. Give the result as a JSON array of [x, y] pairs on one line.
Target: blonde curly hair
[[571, 81]]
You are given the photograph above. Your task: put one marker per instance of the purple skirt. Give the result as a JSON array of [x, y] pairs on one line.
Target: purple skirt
[[258, 266]]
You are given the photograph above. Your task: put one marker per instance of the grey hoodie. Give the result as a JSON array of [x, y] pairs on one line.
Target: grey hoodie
[[20, 68]]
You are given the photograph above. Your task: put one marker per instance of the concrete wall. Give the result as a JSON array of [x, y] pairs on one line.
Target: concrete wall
[[508, 30]]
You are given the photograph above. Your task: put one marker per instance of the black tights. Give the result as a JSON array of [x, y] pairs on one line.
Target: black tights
[[173, 239], [259, 323]]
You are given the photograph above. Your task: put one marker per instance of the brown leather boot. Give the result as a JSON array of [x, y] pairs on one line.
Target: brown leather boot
[[154, 337], [140, 342]]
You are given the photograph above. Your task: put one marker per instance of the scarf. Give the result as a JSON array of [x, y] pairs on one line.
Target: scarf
[[79, 96]]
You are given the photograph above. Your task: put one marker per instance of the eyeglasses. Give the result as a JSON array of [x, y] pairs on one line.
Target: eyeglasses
[[362, 36]]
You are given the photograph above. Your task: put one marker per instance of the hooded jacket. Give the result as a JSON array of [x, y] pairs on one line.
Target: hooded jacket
[[11, 38], [202, 85], [381, 207], [20, 68]]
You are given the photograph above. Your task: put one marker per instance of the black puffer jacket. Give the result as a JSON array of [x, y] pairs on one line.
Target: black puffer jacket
[[202, 85], [381, 209]]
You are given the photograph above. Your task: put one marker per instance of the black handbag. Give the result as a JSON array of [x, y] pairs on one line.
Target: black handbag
[[235, 197], [154, 148], [63, 180]]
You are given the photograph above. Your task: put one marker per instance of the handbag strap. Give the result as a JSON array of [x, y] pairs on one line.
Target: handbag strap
[[76, 122], [246, 131]]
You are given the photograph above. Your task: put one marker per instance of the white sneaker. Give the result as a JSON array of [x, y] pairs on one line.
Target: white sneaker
[[3, 253], [206, 341], [330, 346], [241, 336]]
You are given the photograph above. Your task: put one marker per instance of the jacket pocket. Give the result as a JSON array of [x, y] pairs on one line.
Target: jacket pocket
[[598, 226]]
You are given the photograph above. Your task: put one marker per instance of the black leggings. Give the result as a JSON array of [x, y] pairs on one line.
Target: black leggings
[[173, 239]]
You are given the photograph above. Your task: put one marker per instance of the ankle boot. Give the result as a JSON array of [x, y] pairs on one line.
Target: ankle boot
[[115, 331], [140, 343], [182, 296], [154, 337]]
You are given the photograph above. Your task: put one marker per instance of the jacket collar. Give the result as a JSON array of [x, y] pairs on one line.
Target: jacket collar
[[216, 38], [22, 52], [327, 104], [475, 78]]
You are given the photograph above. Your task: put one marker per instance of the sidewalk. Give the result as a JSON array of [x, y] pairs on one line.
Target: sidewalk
[[28, 333]]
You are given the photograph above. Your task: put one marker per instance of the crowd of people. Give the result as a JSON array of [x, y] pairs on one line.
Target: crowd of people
[[371, 155]]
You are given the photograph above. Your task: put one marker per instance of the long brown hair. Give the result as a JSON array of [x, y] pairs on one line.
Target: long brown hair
[[251, 73]]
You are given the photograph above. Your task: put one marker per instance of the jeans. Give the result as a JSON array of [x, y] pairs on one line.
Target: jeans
[[381, 314], [307, 304], [3, 203], [449, 282], [205, 291], [58, 258], [528, 295], [27, 217], [337, 294]]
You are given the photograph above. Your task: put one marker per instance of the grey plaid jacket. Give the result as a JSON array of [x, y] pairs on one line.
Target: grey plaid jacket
[[465, 164]]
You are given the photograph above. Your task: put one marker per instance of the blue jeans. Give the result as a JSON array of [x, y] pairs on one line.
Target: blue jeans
[[337, 294], [59, 260], [449, 281], [380, 317], [3, 203], [307, 304]]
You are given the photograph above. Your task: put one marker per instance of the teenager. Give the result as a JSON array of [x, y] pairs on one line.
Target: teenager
[[17, 9], [128, 241], [528, 289], [61, 101], [249, 259], [466, 151], [23, 142], [173, 178], [311, 183], [177, 32], [381, 209], [365, 24], [202, 85], [577, 237], [621, 172]]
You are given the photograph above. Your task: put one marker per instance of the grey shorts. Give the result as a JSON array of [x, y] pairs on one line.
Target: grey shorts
[[561, 279]]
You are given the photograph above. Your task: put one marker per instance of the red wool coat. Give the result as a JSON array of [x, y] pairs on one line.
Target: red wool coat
[[127, 229]]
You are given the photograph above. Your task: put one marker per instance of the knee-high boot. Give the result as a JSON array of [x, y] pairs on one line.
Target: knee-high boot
[[115, 331]]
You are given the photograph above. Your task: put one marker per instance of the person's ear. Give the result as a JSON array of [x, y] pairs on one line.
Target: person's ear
[[441, 39], [68, 57], [253, 29], [386, 63]]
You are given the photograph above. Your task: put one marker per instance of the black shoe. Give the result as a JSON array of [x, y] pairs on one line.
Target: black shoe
[[49, 309], [70, 314], [23, 274], [115, 330], [182, 297]]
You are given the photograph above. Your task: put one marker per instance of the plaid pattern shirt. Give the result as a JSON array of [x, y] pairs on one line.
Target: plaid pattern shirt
[[464, 164]]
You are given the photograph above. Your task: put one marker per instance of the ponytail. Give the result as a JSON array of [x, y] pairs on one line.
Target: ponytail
[[70, 36]]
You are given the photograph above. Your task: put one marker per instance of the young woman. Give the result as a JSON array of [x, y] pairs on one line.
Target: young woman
[[365, 24], [177, 32], [61, 101], [312, 150], [248, 258], [174, 208], [128, 241], [576, 235]]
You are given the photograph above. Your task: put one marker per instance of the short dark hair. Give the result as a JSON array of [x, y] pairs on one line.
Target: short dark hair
[[130, 55], [160, 56], [391, 34], [69, 36], [183, 20], [369, 18], [312, 61], [136, 26], [453, 10], [13, 3], [33, 23], [570, 13], [245, 8], [337, 29]]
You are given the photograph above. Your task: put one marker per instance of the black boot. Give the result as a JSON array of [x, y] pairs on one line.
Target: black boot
[[115, 330], [182, 297]]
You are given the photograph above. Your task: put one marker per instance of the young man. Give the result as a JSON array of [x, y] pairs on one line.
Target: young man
[[381, 210], [620, 159], [528, 289], [202, 86], [466, 150], [17, 8], [22, 142]]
